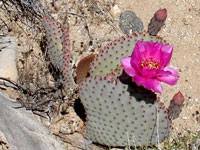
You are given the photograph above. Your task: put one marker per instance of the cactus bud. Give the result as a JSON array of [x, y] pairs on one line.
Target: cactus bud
[[157, 22], [161, 14], [178, 98]]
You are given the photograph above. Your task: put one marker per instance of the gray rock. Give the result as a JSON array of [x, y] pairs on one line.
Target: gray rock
[[129, 22], [22, 130], [8, 56]]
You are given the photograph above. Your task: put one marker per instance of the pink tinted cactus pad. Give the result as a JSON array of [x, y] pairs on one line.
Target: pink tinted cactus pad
[[58, 50]]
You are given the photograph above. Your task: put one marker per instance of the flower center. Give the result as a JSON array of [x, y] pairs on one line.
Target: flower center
[[150, 63]]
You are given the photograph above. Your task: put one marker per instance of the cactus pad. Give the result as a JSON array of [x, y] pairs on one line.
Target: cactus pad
[[120, 114], [58, 50], [109, 59]]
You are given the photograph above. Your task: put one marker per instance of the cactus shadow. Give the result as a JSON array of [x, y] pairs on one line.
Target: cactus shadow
[[80, 110], [139, 92]]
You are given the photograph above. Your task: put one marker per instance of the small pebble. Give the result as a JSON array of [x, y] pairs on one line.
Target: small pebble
[[184, 118]]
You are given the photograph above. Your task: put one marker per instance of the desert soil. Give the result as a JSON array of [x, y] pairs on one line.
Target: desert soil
[[182, 30]]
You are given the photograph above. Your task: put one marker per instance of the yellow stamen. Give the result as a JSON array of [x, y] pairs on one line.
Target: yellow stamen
[[150, 63]]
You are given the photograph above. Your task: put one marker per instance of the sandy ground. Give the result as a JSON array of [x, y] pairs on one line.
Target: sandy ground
[[182, 30]]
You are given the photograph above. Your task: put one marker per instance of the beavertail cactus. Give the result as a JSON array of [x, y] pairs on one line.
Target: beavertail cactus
[[121, 110], [58, 46], [118, 96], [118, 111], [83, 68]]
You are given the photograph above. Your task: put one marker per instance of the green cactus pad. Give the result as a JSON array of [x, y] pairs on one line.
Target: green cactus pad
[[109, 59], [59, 50], [121, 115]]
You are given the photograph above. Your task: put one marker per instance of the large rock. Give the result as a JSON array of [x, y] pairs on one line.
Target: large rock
[[21, 131], [8, 56]]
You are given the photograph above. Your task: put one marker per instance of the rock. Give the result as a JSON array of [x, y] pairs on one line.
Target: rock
[[67, 124], [8, 56], [78, 142], [3, 142], [21, 129], [130, 23], [116, 10]]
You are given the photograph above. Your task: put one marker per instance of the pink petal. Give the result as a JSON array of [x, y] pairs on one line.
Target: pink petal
[[147, 49], [156, 86], [153, 50], [150, 73], [150, 84], [126, 64], [168, 75], [136, 55], [168, 49], [139, 80], [166, 55], [139, 47]]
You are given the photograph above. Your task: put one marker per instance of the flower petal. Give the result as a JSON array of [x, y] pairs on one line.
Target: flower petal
[[126, 64], [141, 51], [168, 75], [147, 49], [153, 50], [150, 73], [166, 55], [136, 54], [150, 84]]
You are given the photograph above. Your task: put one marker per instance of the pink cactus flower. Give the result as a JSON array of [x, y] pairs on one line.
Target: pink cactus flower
[[149, 65]]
